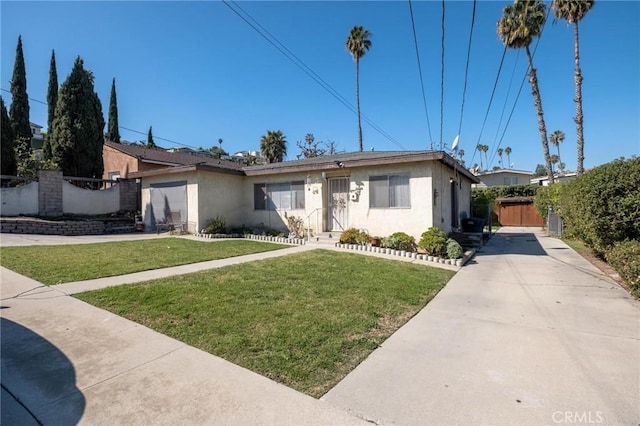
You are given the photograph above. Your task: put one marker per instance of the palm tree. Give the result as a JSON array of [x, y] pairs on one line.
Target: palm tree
[[507, 151], [357, 44], [273, 146], [556, 138], [573, 11], [500, 151], [460, 155], [554, 160], [480, 148], [518, 26]]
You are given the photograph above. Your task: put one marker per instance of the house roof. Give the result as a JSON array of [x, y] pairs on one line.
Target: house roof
[[159, 156], [509, 171], [322, 163], [357, 159]]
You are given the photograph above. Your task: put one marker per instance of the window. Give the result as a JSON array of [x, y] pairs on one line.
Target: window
[[511, 180], [114, 175], [278, 196], [389, 191]]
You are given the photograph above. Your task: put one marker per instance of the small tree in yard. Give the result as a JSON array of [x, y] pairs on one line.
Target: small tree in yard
[[113, 131], [52, 100]]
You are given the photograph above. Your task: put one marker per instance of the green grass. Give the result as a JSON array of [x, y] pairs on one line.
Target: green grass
[[68, 263], [304, 320], [578, 245]]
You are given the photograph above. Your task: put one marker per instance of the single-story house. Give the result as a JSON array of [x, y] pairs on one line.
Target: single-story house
[[381, 192], [120, 159], [557, 177], [502, 177]]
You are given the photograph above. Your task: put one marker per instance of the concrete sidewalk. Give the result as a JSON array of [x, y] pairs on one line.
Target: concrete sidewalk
[[529, 333]]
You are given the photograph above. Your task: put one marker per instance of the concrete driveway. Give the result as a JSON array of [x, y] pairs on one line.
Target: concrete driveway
[[530, 333]]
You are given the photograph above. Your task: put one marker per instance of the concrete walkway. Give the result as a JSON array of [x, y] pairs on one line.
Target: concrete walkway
[[529, 333]]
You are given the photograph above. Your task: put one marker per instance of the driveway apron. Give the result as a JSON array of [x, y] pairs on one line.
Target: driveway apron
[[528, 333]]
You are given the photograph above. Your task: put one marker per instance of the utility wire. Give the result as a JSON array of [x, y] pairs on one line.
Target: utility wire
[[424, 97], [442, 80], [271, 39], [466, 71], [122, 127]]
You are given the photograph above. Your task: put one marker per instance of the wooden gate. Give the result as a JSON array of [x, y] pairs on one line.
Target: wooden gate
[[518, 211]]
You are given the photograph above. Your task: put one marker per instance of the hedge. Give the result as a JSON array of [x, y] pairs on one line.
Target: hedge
[[602, 207]]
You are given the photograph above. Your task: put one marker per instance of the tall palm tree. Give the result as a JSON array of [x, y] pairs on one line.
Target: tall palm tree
[[500, 151], [273, 146], [573, 11], [517, 28], [485, 149], [460, 155], [554, 160], [507, 151], [556, 138], [357, 44], [480, 148]]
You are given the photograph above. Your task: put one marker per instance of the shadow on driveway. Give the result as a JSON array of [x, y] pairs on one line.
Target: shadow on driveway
[[39, 376], [512, 243]]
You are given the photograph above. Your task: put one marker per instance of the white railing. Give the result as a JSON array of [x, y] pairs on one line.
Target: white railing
[[315, 211]]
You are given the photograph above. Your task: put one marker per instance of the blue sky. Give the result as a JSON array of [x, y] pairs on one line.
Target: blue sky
[[197, 72]]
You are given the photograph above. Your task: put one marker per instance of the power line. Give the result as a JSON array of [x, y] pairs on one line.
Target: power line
[[122, 127], [466, 72], [424, 97], [442, 79], [271, 39]]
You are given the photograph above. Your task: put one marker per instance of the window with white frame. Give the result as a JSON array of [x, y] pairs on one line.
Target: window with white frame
[[278, 196], [389, 191]]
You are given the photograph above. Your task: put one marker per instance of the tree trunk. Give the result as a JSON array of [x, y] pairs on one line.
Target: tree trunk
[[578, 119], [358, 103], [537, 101]]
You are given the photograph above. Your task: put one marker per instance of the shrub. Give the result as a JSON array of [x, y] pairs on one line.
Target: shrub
[[217, 226], [454, 249], [547, 196], [624, 257], [399, 241], [602, 206], [433, 241], [363, 238], [296, 226], [349, 236]]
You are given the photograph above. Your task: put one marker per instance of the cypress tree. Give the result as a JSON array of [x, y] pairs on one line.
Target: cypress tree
[[150, 142], [19, 110], [77, 136], [52, 99], [113, 133], [9, 165]]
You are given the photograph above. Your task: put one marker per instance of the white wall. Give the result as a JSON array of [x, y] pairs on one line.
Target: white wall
[[192, 197], [86, 201], [19, 200], [220, 195]]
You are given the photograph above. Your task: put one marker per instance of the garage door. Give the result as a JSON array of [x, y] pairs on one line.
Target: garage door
[[168, 197]]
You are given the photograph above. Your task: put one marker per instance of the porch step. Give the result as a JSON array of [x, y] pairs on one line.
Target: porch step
[[324, 239]]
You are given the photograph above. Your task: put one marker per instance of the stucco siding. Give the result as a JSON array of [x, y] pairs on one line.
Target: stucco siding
[[116, 161], [220, 195]]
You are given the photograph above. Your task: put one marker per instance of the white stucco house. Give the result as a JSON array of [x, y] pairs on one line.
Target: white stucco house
[[382, 192]]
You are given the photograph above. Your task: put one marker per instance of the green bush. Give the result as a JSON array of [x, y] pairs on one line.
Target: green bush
[[363, 238], [547, 196], [295, 225], [217, 226], [400, 241], [624, 257], [349, 236], [433, 241], [602, 206], [454, 249]]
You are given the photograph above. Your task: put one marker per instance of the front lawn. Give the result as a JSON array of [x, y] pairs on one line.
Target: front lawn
[[68, 263], [304, 320]]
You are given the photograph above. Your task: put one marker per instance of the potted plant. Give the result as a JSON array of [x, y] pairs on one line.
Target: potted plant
[[375, 241]]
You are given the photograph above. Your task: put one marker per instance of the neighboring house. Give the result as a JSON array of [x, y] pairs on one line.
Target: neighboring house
[[557, 177], [503, 177], [120, 160], [37, 138], [382, 192]]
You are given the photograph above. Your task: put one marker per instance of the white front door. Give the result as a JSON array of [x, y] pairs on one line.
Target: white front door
[[338, 204]]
